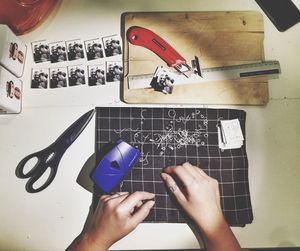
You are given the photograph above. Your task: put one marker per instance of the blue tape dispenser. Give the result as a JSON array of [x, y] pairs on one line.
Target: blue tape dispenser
[[115, 165]]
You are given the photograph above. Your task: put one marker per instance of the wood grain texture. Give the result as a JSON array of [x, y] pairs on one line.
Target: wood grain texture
[[218, 38]]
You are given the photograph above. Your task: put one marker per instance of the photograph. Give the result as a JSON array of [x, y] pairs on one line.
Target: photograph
[[15, 53], [96, 75], [12, 91], [94, 49], [58, 52], [58, 77], [41, 51], [75, 49], [114, 71], [40, 78], [163, 80], [76, 75], [112, 45]]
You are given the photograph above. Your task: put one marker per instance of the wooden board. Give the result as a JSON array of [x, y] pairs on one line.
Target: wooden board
[[218, 38]]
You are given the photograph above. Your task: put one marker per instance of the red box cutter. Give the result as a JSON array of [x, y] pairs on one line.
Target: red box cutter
[[148, 39]]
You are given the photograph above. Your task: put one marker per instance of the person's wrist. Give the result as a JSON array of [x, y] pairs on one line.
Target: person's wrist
[[211, 225], [92, 243]]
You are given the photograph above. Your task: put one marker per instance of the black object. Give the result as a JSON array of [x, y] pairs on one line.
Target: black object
[[50, 157], [172, 136], [283, 13]]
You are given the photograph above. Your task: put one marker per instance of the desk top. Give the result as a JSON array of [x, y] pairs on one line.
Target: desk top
[[37, 221]]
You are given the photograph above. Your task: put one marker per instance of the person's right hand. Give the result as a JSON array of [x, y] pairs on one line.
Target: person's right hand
[[198, 194]]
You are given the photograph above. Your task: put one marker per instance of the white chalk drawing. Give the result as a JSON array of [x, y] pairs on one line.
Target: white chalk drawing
[[171, 137]]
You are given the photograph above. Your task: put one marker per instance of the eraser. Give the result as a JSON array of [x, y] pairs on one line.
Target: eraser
[[115, 165], [12, 51], [10, 92]]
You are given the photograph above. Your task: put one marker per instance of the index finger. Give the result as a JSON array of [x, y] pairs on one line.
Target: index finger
[[134, 199], [184, 176]]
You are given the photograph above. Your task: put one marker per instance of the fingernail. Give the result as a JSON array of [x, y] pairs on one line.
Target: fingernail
[[164, 176], [151, 203]]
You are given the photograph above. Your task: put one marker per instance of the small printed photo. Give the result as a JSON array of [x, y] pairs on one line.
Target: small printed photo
[[94, 49], [163, 80], [76, 75], [58, 77], [41, 51], [114, 71], [16, 53], [112, 45], [96, 75], [40, 78], [75, 49], [57, 52], [12, 91]]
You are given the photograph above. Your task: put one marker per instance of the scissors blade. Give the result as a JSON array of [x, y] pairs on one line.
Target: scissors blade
[[74, 130]]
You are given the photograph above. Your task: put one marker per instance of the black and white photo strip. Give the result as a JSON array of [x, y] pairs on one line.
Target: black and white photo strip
[[114, 71], [94, 49], [96, 75], [58, 77], [76, 75], [75, 49], [70, 50], [41, 51], [112, 45], [40, 78], [58, 52]]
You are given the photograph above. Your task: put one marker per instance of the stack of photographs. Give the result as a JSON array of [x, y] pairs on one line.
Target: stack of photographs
[[76, 62]]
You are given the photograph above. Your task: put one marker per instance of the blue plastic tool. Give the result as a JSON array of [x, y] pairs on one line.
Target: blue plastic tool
[[115, 165]]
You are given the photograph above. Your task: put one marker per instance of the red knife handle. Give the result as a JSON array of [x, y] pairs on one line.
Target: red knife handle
[[146, 38]]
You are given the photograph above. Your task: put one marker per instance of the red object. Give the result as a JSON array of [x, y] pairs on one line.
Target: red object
[[148, 39], [22, 16]]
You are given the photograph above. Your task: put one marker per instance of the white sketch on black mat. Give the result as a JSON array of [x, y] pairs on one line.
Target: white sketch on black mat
[[172, 136]]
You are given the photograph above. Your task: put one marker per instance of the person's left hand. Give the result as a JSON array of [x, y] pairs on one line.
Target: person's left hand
[[115, 217]]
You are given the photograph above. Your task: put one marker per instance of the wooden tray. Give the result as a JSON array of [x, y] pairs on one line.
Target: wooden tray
[[218, 38]]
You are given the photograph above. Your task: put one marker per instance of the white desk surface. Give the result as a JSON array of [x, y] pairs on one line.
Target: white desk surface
[[51, 219]]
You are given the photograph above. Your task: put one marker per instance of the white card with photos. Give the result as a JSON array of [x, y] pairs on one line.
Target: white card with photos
[[77, 62], [10, 92], [12, 51]]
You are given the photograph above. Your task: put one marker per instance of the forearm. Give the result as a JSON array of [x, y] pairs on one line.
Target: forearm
[[85, 243], [220, 237]]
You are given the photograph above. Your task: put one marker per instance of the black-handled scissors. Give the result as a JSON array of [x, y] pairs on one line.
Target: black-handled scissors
[[50, 157]]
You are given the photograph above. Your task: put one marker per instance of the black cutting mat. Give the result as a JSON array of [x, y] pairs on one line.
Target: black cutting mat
[[172, 136]]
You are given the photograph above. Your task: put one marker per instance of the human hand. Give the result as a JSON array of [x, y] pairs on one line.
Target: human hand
[[198, 194], [115, 216]]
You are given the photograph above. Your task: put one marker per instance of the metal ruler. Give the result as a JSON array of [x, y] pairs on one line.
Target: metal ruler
[[271, 69]]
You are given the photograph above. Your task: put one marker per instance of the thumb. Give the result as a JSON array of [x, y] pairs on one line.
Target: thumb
[[142, 212]]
